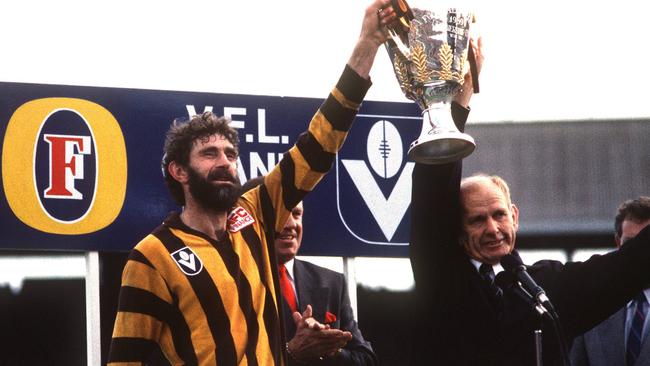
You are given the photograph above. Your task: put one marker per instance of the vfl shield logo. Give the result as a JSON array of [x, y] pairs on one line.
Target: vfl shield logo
[[377, 177], [187, 261]]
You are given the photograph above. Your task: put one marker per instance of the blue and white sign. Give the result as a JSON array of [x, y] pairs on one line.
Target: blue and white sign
[[81, 166]]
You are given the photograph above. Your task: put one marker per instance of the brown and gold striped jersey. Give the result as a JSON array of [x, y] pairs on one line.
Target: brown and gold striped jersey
[[208, 302]]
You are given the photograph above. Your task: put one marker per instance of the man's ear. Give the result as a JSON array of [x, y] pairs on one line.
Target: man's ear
[[617, 240], [177, 172], [515, 216]]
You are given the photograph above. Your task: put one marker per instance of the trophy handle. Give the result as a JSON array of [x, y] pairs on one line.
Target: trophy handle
[[399, 30], [403, 12], [471, 57]]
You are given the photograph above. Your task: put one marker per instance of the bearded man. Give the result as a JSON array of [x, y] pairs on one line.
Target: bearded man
[[203, 286]]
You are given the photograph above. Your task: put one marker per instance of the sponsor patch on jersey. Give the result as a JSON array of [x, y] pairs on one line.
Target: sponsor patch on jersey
[[187, 261], [238, 219]]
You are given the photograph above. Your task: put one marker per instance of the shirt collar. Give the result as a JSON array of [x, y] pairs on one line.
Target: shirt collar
[[497, 268], [289, 266], [647, 297]]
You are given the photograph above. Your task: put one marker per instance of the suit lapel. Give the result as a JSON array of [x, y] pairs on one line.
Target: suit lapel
[[289, 325], [302, 280], [307, 293], [611, 335]]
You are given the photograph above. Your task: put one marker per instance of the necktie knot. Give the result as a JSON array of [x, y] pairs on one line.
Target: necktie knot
[[640, 300], [487, 272], [495, 292]]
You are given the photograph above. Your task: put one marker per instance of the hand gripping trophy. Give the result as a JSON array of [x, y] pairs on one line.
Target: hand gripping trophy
[[429, 51]]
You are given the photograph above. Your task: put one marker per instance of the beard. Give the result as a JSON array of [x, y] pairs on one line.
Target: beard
[[212, 197]]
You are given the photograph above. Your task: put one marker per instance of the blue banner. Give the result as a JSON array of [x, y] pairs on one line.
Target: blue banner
[[81, 166]]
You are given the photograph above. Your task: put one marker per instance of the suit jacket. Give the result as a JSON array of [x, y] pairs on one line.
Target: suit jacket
[[456, 323], [326, 292], [604, 345]]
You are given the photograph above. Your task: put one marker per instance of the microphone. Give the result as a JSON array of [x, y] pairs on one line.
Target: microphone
[[514, 265], [508, 282]]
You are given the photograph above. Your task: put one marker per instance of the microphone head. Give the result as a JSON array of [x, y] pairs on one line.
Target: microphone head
[[511, 263], [505, 279]]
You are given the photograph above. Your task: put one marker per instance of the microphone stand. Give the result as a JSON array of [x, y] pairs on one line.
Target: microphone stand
[[536, 297], [537, 334], [543, 312], [550, 314]]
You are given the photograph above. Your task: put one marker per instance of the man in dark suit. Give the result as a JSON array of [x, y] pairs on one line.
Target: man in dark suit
[[330, 336], [460, 318], [612, 343], [321, 293]]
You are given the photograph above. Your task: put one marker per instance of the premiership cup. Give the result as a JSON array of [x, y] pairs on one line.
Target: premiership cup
[[429, 51]]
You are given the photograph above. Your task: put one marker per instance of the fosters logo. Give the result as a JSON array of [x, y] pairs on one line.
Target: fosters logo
[[64, 165]]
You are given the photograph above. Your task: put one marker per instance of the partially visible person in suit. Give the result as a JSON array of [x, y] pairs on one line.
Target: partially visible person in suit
[[622, 339], [311, 291]]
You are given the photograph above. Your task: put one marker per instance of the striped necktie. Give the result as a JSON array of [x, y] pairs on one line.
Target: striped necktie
[[487, 272], [635, 336]]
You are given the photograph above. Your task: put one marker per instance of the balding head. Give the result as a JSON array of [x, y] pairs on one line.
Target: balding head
[[473, 182]]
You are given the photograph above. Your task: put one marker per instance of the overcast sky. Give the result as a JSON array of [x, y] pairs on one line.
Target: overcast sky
[[545, 60]]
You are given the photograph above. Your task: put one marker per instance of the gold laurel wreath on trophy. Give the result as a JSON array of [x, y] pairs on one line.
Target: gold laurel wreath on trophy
[[402, 72], [445, 58]]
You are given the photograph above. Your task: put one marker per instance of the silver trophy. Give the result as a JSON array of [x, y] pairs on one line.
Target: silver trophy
[[429, 51]]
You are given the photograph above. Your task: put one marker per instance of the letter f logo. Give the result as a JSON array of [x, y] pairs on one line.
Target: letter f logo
[[66, 165]]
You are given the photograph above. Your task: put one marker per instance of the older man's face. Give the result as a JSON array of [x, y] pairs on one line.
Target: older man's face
[[489, 222], [288, 241]]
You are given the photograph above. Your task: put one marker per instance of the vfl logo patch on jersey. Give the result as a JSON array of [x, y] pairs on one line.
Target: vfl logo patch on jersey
[[239, 218], [187, 261]]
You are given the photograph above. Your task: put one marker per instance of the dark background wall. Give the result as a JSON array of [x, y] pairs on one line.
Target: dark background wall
[[43, 325]]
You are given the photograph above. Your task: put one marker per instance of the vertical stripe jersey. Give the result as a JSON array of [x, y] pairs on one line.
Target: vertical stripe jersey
[[216, 302]]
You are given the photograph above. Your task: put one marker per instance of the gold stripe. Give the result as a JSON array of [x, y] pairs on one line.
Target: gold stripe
[[258, 288], [304, 178], [225, 284], [331, 140], [336, 93], [167, 346], [140, 275], [259, 230], [262, 350], [137, 325], [189, 304]]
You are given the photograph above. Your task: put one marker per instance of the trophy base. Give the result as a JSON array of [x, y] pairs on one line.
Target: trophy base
[[445, 147]]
